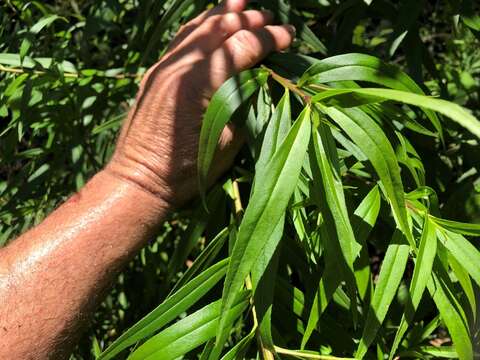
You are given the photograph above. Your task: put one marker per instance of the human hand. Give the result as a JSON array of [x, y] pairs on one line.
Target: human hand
[[158, 145]]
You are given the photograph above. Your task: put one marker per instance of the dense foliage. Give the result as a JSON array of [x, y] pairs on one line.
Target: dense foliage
[[329, 236]]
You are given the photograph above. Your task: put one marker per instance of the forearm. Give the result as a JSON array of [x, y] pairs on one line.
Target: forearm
[[52, 277]]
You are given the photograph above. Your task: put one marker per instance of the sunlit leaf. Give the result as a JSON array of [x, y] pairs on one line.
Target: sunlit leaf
[[190, 332], [171, 308], [267, 205]]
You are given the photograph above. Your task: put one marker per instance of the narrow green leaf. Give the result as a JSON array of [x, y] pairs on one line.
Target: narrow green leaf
[[291, 65], [367, 68], [15, 84], [45, 22], [266, 206], [421, 275], [464, 251], [228, 98], [465, 281], [30, 63], [469, 16], [37, 174], [323, 146], [429, 329], [458, 227], [284, 13], [365, 218], [206, 257], [172, 14], [329, 283], [439, 287], [358, 67], [35, 29], [238, 351], [190, 332], [406, 19], [325, 166], [372, 141], [112, 123], [276, 131], [195, 229], [171, 308], [455, 112], [429, 352], [25, 46], [264, 274], [391, 274]]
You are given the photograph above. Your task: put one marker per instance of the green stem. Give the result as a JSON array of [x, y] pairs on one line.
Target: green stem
[[289, 85], [266, 353], [305, 355]]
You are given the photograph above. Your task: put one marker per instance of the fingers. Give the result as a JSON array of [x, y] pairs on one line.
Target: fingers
[[216, 29], [245, 49], [224, 7]]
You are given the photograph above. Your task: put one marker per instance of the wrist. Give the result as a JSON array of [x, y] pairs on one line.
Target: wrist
[[137, 190], [142, 178]]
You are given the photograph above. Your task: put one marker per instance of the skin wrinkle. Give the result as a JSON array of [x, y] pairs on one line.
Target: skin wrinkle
[[53, 277]]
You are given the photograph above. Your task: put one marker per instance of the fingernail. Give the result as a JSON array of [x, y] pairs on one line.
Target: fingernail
[[291, 29]]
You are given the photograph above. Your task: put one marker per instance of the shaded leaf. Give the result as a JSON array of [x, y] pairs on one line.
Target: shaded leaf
[[223, 104]]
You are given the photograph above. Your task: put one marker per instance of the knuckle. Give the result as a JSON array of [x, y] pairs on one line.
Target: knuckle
[[226, 24], [182, 28], [213, 22], [247, 40], [246, 45]]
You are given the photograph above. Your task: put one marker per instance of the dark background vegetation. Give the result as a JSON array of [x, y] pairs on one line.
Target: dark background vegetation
[[66, 86]]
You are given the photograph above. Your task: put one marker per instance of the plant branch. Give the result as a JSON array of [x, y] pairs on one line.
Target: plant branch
[[16, 70], [266, 353], [289, 85]]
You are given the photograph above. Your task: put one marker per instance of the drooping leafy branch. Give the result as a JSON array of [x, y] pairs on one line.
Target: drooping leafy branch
[[301, 205]]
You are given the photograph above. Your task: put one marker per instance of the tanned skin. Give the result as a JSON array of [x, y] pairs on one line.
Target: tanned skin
[[53, 276]]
